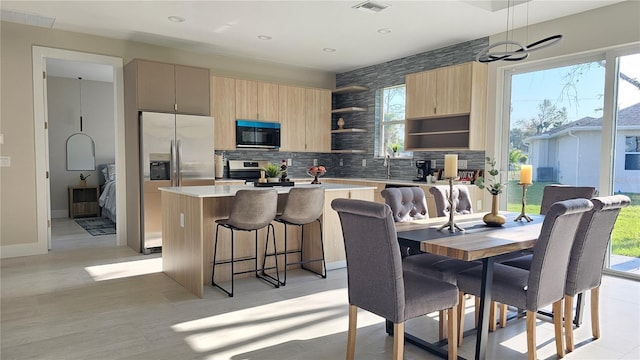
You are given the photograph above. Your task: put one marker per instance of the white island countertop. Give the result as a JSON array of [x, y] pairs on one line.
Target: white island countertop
[[230, 190]]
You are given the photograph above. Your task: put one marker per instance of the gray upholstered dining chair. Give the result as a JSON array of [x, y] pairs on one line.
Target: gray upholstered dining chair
[[587, 259], [544, 283], [550, 195], [406, 203], [303, 206], [410, 203], [461, 199], [251, 210], [376, 279], [554, 193]]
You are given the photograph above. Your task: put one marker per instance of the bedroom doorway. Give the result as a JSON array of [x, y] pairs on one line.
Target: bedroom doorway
[[78, 93]]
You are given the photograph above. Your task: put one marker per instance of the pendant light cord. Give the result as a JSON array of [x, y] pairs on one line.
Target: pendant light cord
[[80, 87]]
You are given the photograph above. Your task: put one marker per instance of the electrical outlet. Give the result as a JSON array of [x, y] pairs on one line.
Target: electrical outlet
[[341, 162], [479, 205], [462, 164], [181, 220], [1, 139], [433, 164], [364, 162], [5, 161], [315, 162], [289, 162]]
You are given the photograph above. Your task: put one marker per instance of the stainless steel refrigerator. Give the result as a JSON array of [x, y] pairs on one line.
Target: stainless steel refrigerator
[[175, 150]]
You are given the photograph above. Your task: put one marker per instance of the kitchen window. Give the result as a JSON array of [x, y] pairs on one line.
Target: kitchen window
[[391, 121]]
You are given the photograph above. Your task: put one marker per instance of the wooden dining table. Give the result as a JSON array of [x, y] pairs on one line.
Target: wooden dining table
[[477, 242]]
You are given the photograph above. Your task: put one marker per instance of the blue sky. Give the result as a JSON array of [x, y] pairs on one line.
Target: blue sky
[[530, 89]]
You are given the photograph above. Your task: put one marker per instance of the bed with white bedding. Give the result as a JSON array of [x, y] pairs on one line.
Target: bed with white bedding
[[107, 199]]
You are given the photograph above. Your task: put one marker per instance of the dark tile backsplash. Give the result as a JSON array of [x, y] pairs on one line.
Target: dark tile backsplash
[[374, 77]]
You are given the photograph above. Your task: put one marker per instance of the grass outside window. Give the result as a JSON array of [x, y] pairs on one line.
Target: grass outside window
[[625, 239]]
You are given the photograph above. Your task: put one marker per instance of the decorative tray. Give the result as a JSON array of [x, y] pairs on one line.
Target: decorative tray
[[270, 184]]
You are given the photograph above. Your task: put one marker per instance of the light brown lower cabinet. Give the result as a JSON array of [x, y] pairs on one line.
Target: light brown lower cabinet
[[188, 227]]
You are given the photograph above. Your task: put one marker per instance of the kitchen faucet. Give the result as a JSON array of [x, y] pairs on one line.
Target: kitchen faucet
[[387, 163]]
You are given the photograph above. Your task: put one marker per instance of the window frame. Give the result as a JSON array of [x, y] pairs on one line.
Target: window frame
[[381, 124]]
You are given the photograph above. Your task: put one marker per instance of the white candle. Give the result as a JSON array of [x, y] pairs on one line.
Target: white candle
[[526, 176], [451, 166]]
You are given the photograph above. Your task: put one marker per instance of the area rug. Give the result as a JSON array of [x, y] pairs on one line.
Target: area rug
[[98, 226]]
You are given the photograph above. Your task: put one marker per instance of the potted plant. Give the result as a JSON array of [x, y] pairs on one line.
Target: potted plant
[[494, 187], [395, 148], [272, 172], [83, 179]]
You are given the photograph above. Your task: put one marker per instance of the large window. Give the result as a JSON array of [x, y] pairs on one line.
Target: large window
[[578, 123], [391, 131]]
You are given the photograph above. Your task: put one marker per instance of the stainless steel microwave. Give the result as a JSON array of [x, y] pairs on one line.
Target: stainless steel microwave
[[257, 134]]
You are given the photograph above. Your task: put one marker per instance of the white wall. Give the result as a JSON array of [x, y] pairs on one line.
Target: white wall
[[63, 101]]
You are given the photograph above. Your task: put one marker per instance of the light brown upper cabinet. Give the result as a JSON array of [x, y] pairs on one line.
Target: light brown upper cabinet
[[318, 119], [223, 108], [445, 108], [171, 88], [291, 109], [444, 91], [256, 100]]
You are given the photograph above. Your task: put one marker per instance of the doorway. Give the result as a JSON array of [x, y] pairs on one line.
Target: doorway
[[41, 57]]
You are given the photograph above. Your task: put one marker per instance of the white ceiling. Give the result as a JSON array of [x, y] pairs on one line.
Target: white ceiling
[[300, 30]]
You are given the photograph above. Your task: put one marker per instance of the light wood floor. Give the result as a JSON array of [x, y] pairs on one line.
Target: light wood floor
[[88, 299]]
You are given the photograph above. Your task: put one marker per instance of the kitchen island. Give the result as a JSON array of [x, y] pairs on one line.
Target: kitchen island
[[188, 228]]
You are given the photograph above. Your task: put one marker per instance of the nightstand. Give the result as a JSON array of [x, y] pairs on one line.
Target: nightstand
[[83, 201]]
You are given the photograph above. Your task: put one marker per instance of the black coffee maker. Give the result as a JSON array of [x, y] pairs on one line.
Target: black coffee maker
[[423, 168]]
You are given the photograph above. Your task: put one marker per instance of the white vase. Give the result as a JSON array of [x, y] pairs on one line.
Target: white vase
[[273, 180]]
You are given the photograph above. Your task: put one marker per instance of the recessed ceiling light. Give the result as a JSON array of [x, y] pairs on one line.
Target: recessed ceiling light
[[384, 31], [264, 37], [176, 19], [329, 50]]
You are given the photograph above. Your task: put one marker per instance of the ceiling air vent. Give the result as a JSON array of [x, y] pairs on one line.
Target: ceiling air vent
[[370, 6]]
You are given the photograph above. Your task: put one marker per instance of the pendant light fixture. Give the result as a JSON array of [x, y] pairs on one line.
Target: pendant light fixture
[[514, 51], [80, 88]]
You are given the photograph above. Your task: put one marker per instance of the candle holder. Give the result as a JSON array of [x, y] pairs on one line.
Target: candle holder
[[451, 225], [524, 203]]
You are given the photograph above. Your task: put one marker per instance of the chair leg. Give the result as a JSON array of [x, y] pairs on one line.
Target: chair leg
[[476, 309], [215, 252], [323, 270], [568, 323], [503, 315], [531, 335], [461, 308], [452, 322], [492, 317], [595, 312], [351, 338], [557, 324], [230, 262], [286, 262], [442, 325], [398, 341]]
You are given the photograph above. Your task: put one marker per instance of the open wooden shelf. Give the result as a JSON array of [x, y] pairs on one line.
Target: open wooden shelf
[[351, 109], [352, 130], [348, 151], [349, 89]]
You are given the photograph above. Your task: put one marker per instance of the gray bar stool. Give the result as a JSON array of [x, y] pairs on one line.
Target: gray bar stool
[[303, 206], [251, 210]]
